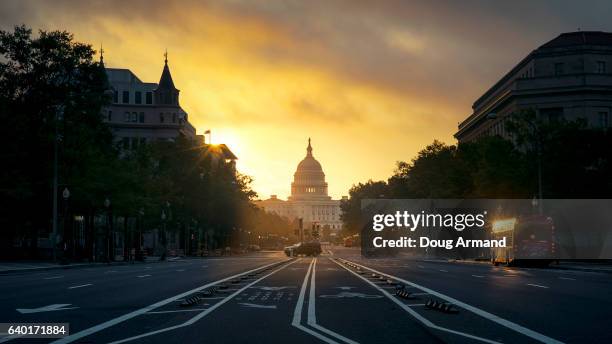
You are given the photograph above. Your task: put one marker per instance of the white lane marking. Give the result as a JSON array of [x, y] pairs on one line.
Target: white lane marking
[[416, 315], [80, 286], [125, 317], [442, 270], [506, 323], [142, 276], [54, 277], [297, 313], [274, 288], [419, 294], [350, 295], [49, 308], [180, 310], [415, 304], [203, 313], [478, 276], [312, 317], [567, 278], [254, 305], [537, 285]]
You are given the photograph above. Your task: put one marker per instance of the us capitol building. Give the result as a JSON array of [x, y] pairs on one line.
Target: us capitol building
[[309, 199]]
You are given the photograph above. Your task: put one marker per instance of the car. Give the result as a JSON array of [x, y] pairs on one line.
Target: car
[[304, 248]]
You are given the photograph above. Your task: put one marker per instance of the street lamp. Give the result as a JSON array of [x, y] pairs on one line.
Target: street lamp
[[163, 233], [107, 204], [66, 196], [59, 115]]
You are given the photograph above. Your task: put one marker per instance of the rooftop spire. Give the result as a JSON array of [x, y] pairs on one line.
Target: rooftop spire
[[309, 148], [101, 54], [166, 57]]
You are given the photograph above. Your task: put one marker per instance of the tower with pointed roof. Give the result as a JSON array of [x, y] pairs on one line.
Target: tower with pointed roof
[[165, 93]]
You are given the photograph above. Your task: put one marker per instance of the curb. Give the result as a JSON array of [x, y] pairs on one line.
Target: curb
[[69, 266], [551, 267]]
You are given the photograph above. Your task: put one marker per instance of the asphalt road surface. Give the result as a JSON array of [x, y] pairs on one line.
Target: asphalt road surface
[[337, 297]]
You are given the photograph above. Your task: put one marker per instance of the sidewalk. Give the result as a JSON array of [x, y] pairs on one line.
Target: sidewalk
[[563, 265], [29, 266]]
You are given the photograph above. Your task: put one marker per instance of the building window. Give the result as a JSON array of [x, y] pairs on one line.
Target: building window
[[173, 118], [603, 119], [149, 97], [138, 97], [134, 117], [126, 97], [126, 117], [559, 68], [115, 96], [161, 117], [141, 117], [601, 67], [110, 115]]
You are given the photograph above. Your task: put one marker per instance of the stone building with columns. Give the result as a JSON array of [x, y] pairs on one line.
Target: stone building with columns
[[309, 199]]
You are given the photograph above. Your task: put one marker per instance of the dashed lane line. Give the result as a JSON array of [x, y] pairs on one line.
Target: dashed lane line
[[203, 313], [537, 285], [89, 331], [80, 286]]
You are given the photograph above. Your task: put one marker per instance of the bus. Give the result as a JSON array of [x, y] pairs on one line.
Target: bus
[[530, 240]]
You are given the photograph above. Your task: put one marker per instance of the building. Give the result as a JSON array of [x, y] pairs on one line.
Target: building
[[145, 111], [309, 200], [569, 77]]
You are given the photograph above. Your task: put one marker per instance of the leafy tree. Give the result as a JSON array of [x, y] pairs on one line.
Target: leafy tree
[[49, 83]]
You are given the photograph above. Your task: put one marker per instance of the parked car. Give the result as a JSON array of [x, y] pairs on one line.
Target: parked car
[[304, 248]]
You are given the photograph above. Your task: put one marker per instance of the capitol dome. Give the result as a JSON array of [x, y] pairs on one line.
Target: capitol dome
[[309, 179]]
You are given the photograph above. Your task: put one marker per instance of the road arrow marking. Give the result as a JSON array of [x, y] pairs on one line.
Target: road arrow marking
[[49, 308]]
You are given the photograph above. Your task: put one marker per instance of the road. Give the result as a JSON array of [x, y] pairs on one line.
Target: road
[[337, 297]]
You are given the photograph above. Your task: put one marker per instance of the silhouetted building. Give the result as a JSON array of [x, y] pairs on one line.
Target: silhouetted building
[[309, 199], [145, 111], [568, 77]]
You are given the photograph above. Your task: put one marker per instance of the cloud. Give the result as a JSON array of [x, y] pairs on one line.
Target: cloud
[[372, 81]]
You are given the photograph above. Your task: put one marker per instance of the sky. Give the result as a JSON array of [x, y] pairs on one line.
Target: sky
[[371, 82]]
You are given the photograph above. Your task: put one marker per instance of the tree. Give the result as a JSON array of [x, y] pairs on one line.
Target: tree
[[49, 81]]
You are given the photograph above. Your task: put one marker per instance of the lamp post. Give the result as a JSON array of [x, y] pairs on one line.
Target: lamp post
[[163, 234], [107, 204], [65, 196], [59, 115]]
